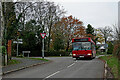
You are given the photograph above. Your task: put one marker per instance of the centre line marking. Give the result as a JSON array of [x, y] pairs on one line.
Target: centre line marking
[[70, 65], [52, 74]]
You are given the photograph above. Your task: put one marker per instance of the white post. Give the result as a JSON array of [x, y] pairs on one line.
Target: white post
[[17, 48], [28, 54], [23, 54], [43, 49]]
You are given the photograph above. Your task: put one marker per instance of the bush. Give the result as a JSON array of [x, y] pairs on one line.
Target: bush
[[110, 48], [21, 56], [4, 51], [116, 50]]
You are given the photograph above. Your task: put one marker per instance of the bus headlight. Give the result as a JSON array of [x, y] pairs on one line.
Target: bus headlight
[[89, 54], [74, 54]]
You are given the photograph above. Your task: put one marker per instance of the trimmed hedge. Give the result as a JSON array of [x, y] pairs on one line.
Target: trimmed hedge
[[50, 53], [57, 53]]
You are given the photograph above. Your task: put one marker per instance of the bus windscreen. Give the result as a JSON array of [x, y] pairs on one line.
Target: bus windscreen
[[81, 46]]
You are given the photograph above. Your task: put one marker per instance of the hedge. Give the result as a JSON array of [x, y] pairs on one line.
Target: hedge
[[57, 53]]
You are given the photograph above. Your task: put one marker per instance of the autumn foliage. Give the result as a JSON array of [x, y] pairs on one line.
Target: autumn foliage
[[69, 27]]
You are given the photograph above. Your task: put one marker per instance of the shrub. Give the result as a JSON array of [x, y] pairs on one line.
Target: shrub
[[4, 51], [110, 48], [116, 49], [20, 56]]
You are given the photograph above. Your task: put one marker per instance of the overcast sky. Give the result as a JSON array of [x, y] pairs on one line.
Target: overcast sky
[[98, 13]]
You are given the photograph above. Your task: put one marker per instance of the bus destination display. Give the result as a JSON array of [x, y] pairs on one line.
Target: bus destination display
[[78, 40]]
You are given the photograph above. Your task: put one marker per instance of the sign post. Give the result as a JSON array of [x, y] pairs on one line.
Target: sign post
[[43, 36], [19, 41]]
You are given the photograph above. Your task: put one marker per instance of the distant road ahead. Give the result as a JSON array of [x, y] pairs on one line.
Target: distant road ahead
[[63, 67]]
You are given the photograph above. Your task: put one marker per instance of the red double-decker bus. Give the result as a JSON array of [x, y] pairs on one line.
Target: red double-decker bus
[[83, 48]]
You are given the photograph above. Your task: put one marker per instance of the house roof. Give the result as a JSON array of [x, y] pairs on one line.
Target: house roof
[[102, 47]]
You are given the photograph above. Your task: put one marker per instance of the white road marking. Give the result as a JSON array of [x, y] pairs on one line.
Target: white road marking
[[76, 61], [52, 74], [70, 65]]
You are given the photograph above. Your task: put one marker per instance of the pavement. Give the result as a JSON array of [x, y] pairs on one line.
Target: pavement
[[63, 67], [25, 63]]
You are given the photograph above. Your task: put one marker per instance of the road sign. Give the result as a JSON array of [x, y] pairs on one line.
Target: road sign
[[14, 41], [20, 42], [20, 39], [43, 35], [26, 51]]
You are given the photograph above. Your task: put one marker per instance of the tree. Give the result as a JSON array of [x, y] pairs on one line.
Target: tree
[[9, 20], [100, 36], [58, 42], [116, 50], [47, 14], [116, 32], [71, 28], [107, 32], [1, 23], [90, 29]]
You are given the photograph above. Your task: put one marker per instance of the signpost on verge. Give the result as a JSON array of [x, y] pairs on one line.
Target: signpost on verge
[[19, 41], [43, 36], [106, 46]]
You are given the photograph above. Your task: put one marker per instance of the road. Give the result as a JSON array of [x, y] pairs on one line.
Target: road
[[63, 67]]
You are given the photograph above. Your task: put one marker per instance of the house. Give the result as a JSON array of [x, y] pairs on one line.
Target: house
[[101, 47]]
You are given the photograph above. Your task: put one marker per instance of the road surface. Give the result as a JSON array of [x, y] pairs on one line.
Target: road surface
[[63, 67]]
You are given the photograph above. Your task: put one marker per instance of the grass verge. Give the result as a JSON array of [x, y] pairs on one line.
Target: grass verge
[[112, 62], [100, 53], [59, 56], [34, 58], [119, 70], [13, 62]]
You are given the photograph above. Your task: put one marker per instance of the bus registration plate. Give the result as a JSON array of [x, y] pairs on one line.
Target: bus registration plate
[[81, 56]]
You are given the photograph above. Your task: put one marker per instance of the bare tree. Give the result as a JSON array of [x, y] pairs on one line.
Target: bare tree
[[45, 13], [107, 32], [1, 22], [116, 32], [24, 11]]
